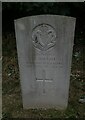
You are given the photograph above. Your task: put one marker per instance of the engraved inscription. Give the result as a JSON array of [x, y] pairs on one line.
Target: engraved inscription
[[47, 60], [44, 37]]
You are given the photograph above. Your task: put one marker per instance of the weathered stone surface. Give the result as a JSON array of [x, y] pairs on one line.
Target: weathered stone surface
[[42, 0], [44, 45], [0, 60]]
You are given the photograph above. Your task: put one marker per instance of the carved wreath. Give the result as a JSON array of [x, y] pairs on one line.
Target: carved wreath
[[44, 37]]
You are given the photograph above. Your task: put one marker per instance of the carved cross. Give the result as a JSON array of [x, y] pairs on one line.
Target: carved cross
[[43, 80]]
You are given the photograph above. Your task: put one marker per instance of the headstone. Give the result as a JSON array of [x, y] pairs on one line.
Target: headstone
[[0, 60], [32, 1], [44, 45]]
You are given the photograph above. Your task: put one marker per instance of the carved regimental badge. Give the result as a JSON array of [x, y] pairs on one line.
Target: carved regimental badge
[[44, 37]]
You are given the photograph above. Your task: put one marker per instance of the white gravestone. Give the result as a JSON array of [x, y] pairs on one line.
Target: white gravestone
[[44, 45]]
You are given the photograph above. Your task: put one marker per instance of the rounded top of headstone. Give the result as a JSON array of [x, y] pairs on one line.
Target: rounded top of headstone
[[47, 15]]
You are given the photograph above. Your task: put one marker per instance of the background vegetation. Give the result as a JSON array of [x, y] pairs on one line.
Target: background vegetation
[[12, 100]]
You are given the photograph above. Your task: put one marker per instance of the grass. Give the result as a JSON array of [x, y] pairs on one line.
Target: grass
[[12, 100]]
